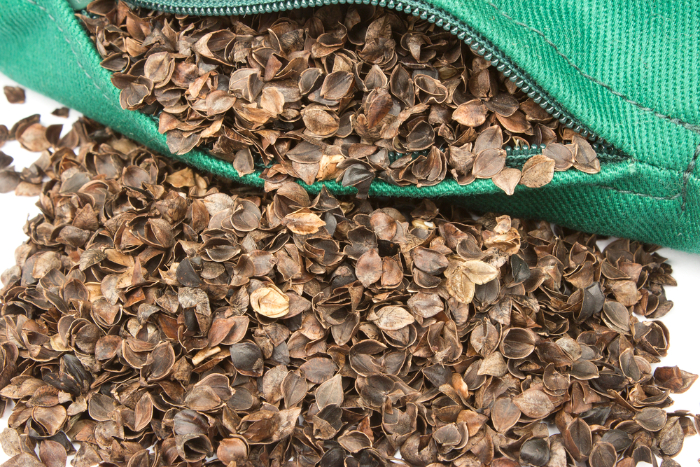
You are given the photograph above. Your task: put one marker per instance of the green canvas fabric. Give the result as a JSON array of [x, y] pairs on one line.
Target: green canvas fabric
[[627, 70]]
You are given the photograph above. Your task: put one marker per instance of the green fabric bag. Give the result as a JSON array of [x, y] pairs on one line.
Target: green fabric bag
[[625, 71]]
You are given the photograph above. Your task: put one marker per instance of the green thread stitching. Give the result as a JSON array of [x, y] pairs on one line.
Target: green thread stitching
[[207, 159], [641, 195], [688, 126], [70, 44], [687, 174]]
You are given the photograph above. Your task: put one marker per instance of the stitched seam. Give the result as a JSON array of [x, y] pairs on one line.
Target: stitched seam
[[70, 44], [695, 128], [654, 166], [641, 195], [689, 126], [686, 176]]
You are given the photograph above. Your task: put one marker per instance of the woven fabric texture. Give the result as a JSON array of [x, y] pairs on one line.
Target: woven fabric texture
[[622, 68]]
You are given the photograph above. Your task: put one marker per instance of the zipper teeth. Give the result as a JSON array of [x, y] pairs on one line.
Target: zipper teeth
[[516, 156], [417, 8]]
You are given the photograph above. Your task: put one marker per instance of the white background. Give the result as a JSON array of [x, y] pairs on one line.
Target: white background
[[683, 321]]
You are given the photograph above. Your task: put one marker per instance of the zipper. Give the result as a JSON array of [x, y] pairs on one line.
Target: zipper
[[515, 156], [424, 11]]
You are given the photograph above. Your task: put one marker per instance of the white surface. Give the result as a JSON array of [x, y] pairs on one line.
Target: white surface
[[683, 321]]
